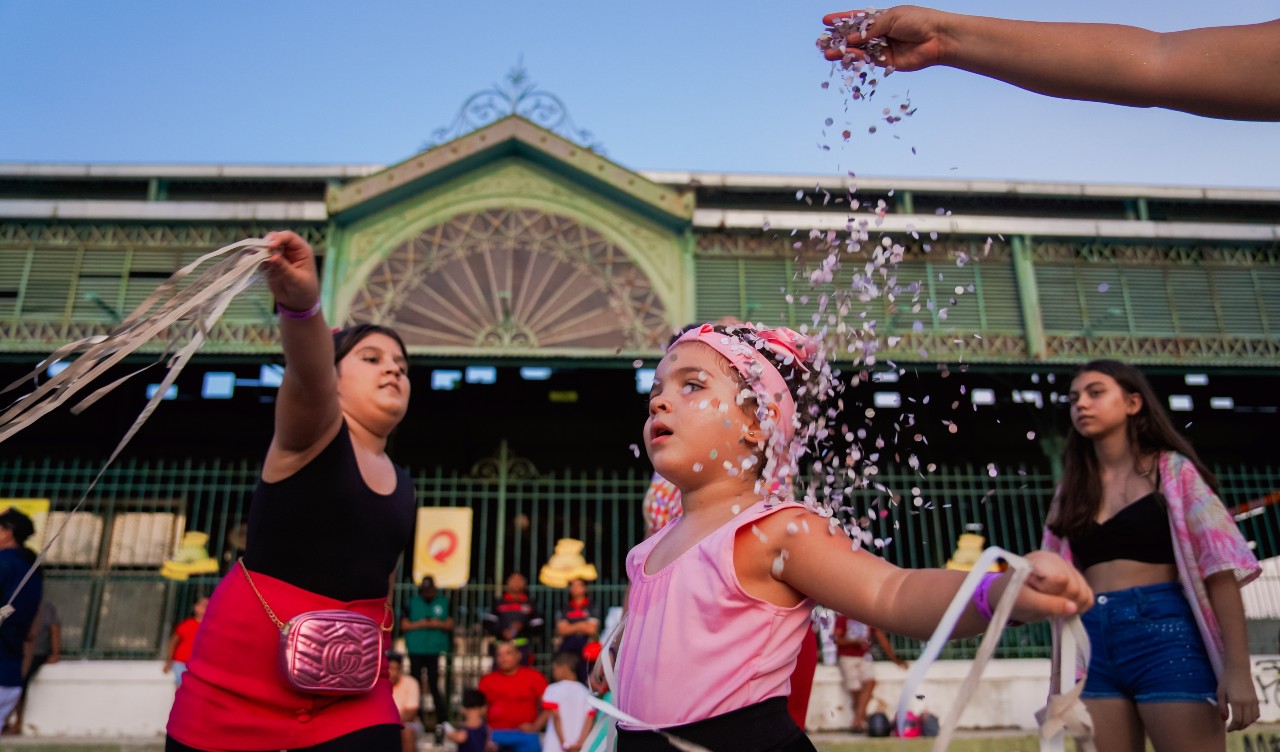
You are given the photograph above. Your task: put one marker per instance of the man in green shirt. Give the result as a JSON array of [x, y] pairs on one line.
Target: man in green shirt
[[428, 628]]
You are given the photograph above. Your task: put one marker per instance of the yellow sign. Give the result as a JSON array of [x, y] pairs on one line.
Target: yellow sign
[[442, 548], [37, 510]]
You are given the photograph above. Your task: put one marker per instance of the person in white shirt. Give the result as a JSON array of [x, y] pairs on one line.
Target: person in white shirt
[[408, 696], [565, 702]]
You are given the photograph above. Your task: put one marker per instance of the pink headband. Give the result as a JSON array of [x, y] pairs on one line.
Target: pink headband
[[759, 371]]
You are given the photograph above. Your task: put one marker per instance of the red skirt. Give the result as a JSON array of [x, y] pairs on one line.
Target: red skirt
[[233, 698]]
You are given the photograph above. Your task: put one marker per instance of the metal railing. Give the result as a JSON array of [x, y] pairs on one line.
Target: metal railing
[[103, 574]]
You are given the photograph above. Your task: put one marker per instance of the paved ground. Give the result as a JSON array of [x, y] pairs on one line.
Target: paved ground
[[1265, 738]]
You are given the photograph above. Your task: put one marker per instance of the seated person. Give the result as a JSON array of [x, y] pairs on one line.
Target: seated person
[[408, 696], [514, 693]]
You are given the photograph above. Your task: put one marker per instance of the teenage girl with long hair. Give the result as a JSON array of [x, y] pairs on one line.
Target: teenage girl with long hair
[[1139, 514]]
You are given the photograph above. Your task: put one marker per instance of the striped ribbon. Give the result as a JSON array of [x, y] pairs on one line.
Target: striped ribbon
[[182, 314]]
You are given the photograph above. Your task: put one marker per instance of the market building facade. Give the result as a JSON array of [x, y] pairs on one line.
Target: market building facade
[[536, 281]]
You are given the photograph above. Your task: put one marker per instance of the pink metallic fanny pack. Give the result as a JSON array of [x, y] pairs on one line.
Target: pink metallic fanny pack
[[331, 652], [328, 652]]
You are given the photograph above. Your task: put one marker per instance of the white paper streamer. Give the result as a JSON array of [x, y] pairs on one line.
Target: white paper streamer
[[187, 314], [1063, 711]]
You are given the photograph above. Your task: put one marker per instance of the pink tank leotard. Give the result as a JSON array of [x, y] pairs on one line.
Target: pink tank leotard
[[696, 644]]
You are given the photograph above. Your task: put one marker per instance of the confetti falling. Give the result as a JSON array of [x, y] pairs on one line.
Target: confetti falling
[[859, 72]]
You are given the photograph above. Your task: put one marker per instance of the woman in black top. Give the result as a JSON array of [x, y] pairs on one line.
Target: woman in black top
[[329, 521], [1143, 523]]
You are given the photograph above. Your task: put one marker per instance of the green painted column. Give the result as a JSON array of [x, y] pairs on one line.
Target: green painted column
[[1024, 272], [1053, 445], [335, 253]]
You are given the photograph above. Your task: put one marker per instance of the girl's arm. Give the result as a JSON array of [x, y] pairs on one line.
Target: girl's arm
[[55, 644], [1223, 72], [587, 724], [555, 719], [1235, 688], [823, 566], [307, 405], [168, 653], [885, 645]]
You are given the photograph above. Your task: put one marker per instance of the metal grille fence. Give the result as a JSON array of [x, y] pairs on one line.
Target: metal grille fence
[[103, 573]]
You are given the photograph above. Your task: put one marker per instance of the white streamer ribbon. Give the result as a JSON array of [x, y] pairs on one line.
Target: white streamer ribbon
[[1063, 711], [187, 314], [605, 665]]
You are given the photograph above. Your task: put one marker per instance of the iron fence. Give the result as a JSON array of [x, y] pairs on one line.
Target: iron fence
[[103, 573]]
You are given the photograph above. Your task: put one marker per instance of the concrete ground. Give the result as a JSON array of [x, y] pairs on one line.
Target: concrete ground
[[1261, 738]]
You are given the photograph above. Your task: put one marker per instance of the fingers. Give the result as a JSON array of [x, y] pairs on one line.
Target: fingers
[[1068, 588], [1053, 576], [1243, 714], [831, 18], [288, 243]]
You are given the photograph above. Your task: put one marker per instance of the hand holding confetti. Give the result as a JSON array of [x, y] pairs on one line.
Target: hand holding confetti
[[1227, 72], [904, 38]]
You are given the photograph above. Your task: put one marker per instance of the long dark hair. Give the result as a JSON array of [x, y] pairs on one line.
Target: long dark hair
[[1149, 431], [345, 340]]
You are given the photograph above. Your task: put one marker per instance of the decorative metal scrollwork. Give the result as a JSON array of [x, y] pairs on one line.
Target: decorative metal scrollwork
[[504, 464], [513, 279], [517, 94]]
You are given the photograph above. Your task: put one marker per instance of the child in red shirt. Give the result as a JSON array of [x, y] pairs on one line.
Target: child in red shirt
[[184, 637]]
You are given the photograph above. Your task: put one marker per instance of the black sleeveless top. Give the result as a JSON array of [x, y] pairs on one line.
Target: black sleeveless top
[[322, 529], [1139, 532]]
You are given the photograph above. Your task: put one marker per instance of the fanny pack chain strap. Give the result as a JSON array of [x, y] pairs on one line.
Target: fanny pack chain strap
[[281, 625], [391, 620]]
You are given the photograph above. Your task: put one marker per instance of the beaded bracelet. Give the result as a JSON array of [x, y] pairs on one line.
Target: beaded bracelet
[[298, 315], [982, 596]]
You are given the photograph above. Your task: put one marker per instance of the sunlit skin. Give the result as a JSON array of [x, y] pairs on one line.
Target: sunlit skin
[[695, 425], [693, 410], [373, 384], [369, 387], [697, 422], [1220, 72]]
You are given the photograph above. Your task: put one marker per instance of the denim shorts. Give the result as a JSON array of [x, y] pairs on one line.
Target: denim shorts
[[1146, 647]]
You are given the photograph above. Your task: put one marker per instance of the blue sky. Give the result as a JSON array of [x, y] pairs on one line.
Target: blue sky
[[691, 85]]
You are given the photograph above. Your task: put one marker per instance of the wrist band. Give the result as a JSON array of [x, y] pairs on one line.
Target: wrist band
[[298, 315], [982, 595]]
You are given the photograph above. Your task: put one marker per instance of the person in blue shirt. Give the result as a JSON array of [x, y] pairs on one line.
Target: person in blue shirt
[[15, 560]]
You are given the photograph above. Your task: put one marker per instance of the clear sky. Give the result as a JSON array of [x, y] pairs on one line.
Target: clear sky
[[698, 85]]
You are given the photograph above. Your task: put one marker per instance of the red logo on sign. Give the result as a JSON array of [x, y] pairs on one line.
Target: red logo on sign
[[442, 545]]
